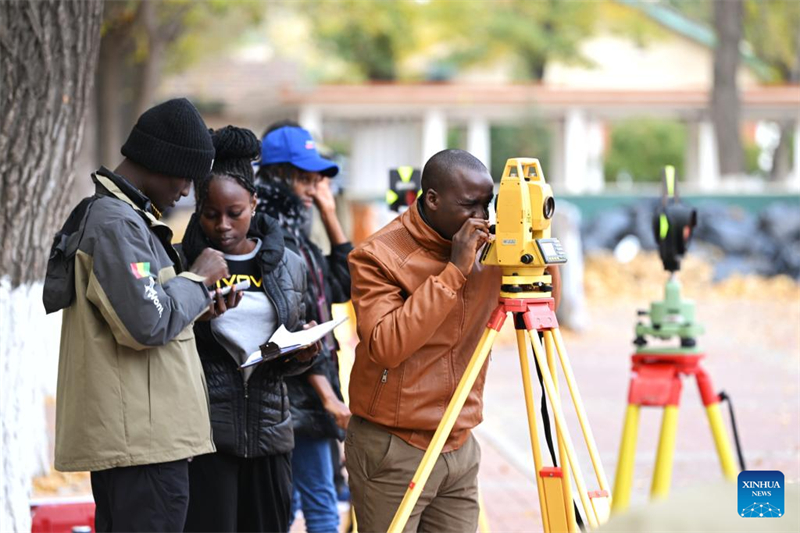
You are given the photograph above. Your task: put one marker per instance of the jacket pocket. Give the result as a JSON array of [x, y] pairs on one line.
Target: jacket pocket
[[376, 394]]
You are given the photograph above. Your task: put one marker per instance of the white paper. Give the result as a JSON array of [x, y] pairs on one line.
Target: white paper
[[289, 341]]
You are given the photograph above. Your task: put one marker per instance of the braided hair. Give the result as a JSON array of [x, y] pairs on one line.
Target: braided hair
[[236, 149]]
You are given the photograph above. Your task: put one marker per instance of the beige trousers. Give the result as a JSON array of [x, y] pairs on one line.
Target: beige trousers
[[381, 465]]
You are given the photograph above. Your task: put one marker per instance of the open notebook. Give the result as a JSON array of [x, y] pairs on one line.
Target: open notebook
[[284, 342]]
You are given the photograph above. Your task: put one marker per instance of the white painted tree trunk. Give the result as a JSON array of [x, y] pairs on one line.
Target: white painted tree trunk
[[29, 356]]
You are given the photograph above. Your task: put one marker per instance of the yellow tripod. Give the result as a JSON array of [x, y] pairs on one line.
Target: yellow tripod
[[532, 315]]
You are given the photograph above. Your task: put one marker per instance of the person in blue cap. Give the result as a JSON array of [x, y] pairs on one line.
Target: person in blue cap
[[291, 180]]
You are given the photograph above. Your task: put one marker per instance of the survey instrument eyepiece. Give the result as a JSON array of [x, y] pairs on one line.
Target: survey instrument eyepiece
[[673, 223]]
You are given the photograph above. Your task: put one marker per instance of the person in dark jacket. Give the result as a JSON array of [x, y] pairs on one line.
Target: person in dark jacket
[[291, 179], [246, 485]]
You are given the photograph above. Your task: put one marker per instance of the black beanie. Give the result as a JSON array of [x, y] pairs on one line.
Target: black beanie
[[171, 139]]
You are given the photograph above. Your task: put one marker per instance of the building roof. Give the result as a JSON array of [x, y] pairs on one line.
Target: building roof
[[497, 101]]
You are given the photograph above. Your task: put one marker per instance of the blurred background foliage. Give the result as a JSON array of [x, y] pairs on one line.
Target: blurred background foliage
[[354, 41]]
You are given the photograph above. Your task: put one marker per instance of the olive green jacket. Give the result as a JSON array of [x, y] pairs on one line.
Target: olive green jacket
[[131, 389]]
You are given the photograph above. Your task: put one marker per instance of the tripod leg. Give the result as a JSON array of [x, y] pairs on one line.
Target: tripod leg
[[483, 520], [662, 473], [561, 426], [724, 450], [723, 445], [445, 427], [550, 350], [623, 481], [522, 348], [569, 377]]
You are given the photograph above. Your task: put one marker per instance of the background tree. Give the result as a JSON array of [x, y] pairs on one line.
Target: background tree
[[143, 40], [48, 54], [770, 35], [771, 30], [725, 102]]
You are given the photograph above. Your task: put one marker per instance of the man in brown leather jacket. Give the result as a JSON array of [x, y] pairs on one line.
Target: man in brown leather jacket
[[422, 300]]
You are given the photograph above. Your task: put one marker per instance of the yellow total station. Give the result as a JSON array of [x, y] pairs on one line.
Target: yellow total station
[[522, 246]]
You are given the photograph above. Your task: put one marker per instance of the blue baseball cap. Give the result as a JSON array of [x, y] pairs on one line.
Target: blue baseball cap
[[294, 145]]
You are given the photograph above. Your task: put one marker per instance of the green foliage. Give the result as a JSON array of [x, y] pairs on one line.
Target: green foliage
[[772, 28], [192, 30], [532, 139], [379, 37], [640, 148], [531, 32], [211, 27], [372, 35], [457, 137], [751, 154]]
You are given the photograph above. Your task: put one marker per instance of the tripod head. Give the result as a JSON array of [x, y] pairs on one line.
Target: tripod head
[[673, 223], [522, 246]]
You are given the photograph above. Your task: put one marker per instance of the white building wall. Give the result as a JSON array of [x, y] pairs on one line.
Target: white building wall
[[378, 146], [434, 133], [576, 153], [595, 141], [794, 176], [479, 140], [707, 160], [668, 62]]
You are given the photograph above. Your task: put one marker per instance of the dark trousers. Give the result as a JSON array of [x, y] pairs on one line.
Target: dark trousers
[[141, 498], [229, 493]]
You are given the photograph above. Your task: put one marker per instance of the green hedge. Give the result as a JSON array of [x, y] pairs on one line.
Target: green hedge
[[640, 148]]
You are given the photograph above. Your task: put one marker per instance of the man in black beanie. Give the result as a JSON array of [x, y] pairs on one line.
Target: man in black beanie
[[131, 403]]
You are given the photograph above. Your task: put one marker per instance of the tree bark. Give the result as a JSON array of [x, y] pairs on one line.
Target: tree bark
[[725, 104], [113, 69], [48, 53]]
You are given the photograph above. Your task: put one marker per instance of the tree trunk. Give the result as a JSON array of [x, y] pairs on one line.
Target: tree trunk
[[150, 71], [48, 52], [113, 71], [781, 160], [109, 130], [725, 105]]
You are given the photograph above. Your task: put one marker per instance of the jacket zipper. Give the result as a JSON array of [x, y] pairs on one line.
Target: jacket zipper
[[246, 396], [378, 389], [246, 392], [453, 378]]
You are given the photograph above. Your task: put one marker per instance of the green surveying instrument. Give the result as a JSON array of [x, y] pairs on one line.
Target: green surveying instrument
[[523, 249], [657, 371]]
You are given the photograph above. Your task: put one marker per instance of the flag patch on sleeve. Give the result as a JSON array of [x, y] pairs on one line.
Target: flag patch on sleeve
[[140, 270]]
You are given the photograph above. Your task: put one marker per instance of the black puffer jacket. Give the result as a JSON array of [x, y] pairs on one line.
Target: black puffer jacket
[[252, 419], [328, 278]]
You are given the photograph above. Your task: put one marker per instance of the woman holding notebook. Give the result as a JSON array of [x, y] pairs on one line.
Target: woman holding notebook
[[247, 484]]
